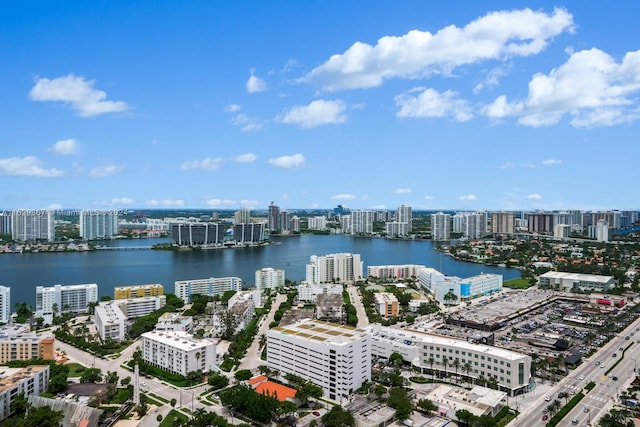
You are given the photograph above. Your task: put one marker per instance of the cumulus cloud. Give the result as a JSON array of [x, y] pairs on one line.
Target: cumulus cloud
[[497, 35], [27, 166], [205, 164], [402, 191], [77, 92], [551, 162], [122, 201], [534, 196], [246, 123], [429, 197], [492, 79], [590, 87], [431, 103], [166, 203], [318, 113], [255, 84], [220, 203], [344, 196], [287, 162], [510, 165], [64, 147], [232, 108], [246, 158], [106, 170], [468, 197]]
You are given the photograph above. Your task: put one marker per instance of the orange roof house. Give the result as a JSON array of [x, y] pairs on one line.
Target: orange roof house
[[262, 385]]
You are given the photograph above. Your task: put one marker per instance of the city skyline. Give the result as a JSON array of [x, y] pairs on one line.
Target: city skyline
[[520, 106]]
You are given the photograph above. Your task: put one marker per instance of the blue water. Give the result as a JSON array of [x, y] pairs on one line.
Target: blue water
[[23, 272]]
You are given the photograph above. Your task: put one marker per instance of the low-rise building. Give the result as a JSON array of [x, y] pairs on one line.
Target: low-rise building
[[453, 289], [387, 304], [213, 286], [309, 292], [138, 291], [18, 345], [175, 323], [111, 322], [32, 380], [563, 281], [178, 352]]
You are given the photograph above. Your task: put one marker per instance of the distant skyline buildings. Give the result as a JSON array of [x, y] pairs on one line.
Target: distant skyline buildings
[[98, 224]]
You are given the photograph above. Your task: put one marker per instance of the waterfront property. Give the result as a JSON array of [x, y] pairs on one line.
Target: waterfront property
[[138, 291], [178, 352], [336, 268], [5, 304], [334, 357], [269, 278], [452, 290], [112, 317], [394, 272], [213, 286], [65, 299]]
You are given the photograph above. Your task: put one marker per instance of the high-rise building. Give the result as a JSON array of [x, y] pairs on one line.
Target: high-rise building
[[28, 225], [613, 218], [274, 219], [396, 229], [242, 216], [342, 267], [5, 223], [197, 233], [210, 287], [285, 217], [398, 272], [269, 278], [404, 215], [541, 223], [294, 224], [334, 357], [98, 224], [248, 233], [503, 222], [440, 226], [361, 222], [67, 299], [317, 223], [472, 225], [5, 304]]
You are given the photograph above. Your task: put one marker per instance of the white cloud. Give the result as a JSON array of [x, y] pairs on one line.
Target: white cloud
[[287, 162], [431, 103], [246, 158], [106, 170], [551, 162], [77, 92], [590, 87], [232, 108], [255, 84], [122, 201], [166, 203], [27, 166], [246, 203], [219, 203], [318, 113], [497, 35], [429, 197], [64, 147], [510, 165], [206, 164], [345, 196], [468, 197], [402, 191], [378, 207], [534, 196], [492, 79], [246, 123], [54, 206]]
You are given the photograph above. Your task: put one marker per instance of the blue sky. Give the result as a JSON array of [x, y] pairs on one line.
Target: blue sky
[[210, 104]]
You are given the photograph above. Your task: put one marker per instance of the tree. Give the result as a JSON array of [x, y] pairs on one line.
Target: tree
[[91, 375], [427, 405], [399, 401], [111, 377], [396, 359], [217, 381], [173, 402], [242, 375], [338, 417]]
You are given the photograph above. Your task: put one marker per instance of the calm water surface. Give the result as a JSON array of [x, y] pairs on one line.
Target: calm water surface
[[23, 272]]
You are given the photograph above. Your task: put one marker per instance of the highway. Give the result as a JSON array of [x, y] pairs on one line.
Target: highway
[[601, 398]]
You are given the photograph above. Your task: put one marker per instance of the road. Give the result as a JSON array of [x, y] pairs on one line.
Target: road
[[601, 398], [356, 301]]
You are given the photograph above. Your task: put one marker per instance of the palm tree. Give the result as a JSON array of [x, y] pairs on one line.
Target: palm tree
[[431, 362], [468, 368], [456, 365], [445, 362]]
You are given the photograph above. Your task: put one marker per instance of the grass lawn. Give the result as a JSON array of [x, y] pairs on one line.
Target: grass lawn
[[517, 284], [173, 414], [75, 369]]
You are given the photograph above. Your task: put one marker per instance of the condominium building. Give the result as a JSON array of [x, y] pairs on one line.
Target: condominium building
[[294, 224], [387, 304], [67, 299], [396, 229], [309, 291], [30, 381], [242, 216], [340, 268], [210, 287], [111, 322], [175, 323], [334, 357], [98, 224], [503, 222], [269, 278], [467, 289], [399, 272], [317, 223], [5, 222], [242, 305], [30, 224], [274, 219], [24, 345], [248, 233], [361, 222], [197, 233], [472, 225], [138, 291], [540, 223], [5, 304], [440, 226], [178, 352], [138, 307], [510, 370], [563, 281], [404, 215]]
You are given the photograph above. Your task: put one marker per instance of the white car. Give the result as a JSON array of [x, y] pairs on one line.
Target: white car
[[581, 377], [547, 399]]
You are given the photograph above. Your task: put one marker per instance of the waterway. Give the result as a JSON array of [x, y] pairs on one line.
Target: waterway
[[23, 272]]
